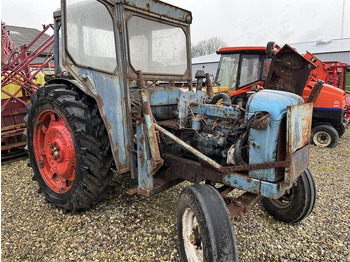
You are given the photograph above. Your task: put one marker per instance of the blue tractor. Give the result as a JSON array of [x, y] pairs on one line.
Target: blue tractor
[[119, 100]]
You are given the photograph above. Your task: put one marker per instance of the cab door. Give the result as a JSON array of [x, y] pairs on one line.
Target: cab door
[[90, 44]]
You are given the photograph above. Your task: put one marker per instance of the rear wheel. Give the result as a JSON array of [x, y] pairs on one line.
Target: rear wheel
[[68, 147], [324, 136], [205, 229], [297, 204]]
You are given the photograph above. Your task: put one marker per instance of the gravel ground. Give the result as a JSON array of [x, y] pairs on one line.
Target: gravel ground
[[134, 228]]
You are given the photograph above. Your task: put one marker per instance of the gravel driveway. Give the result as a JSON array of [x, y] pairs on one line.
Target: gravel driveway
[[134, 228]]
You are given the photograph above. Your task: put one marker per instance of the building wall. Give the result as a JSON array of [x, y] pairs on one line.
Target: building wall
[[210, 68], [338, 56]]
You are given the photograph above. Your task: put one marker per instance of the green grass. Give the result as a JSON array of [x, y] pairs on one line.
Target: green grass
[[347, 82]]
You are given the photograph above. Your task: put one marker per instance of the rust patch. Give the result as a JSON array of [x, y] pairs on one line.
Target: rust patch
[[241, 205], [261, 121], [265, 165]]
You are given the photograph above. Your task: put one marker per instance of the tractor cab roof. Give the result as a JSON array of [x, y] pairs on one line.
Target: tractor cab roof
[[242, 50]]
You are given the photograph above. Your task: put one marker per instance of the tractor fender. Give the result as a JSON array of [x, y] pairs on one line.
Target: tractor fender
[[70, 83]]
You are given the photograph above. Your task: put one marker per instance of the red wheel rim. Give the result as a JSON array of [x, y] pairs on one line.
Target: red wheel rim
[[54, 151]]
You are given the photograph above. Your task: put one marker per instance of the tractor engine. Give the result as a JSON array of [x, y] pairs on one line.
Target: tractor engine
[[215, 128], [218, 131]]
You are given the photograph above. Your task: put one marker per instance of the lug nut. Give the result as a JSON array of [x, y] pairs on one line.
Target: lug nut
[[41, 164]]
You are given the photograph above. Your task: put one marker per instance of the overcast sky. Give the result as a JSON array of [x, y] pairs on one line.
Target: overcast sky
[[237, 22]]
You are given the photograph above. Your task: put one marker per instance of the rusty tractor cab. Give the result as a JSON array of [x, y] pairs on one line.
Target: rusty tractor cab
[[245, 69], [115, 104]]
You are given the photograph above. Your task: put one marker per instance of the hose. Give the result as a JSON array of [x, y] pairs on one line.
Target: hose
[[226, 99]]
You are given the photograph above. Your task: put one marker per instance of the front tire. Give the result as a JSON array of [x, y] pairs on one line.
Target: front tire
[[205, 229], [295, 205], [324, 136], [68, 147]]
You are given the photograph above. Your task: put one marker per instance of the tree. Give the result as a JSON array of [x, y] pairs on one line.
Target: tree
[[206, 47]]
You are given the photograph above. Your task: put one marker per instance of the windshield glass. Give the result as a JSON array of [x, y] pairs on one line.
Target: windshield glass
[[156, 47], [249, 70], [90, 35], [227, 71]]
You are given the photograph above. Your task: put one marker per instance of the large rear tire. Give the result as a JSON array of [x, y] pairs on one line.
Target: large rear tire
[[68, 147], [295, 205], [205, 230]]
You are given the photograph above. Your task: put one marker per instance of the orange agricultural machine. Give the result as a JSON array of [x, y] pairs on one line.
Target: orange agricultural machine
[[19, 80], [245, 69]]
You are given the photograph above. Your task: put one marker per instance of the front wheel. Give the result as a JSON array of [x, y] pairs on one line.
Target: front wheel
[[324, 136], [295, 205], [68, 147], [205, 229]]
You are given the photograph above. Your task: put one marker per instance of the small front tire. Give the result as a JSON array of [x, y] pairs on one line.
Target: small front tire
[[297, 204], [205, 229], [324, 136]]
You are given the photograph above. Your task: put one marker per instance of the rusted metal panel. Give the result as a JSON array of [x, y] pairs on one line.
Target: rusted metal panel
[[189, 170], [289, 71], [299, 163], [145, 179], [316, 90], [151, 136], [241, 205], [266, 165], [161, 9], [299, 120]]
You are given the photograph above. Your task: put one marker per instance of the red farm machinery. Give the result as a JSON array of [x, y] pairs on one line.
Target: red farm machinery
[[20, 78], [244, 69]]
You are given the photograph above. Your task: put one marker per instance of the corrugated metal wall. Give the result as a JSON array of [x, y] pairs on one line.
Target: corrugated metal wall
[[339, 56]]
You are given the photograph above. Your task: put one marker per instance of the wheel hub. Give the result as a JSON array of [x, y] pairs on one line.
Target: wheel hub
[[195, 238], [191, 236], [322, 139], [285, 200], [54, 151]]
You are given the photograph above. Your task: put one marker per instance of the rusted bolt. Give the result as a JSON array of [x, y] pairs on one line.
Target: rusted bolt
[[84, 77], [227, 183], [239, 187], [249, 180], [235, 182]]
